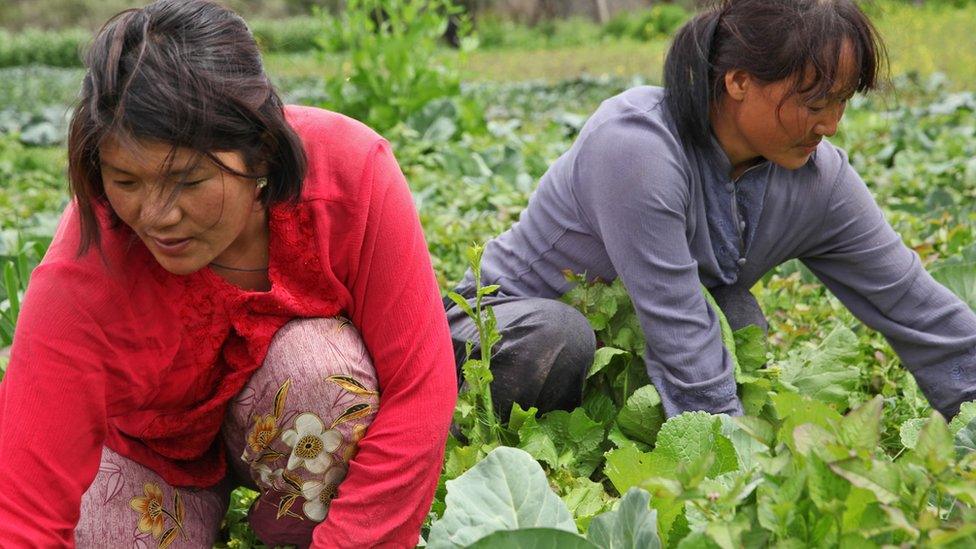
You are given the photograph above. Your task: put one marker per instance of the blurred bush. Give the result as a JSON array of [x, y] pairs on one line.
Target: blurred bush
[[391, 65], [296, 34], [659, 21], [52, 48]]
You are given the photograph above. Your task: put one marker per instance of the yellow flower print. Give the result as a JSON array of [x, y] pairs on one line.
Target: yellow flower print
[[264, 431], [150, 507]]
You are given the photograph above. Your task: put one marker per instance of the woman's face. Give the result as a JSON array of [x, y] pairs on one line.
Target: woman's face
[[215, 215], [767, 120]]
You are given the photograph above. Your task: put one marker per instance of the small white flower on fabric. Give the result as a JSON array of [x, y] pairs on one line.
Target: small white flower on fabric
[[318, 494], [311, 444], [268, 476]]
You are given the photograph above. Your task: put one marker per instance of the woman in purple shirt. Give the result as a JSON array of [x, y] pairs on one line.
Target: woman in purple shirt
[[714, 180]]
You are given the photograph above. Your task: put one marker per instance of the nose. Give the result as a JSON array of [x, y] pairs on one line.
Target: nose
[[828, 122], [160, 209]]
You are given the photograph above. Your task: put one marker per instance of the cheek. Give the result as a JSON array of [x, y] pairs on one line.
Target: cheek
[[215, 209], [798, 123], [125, 206], [763, 125]]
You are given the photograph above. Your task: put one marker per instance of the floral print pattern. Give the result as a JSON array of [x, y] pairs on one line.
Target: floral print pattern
[[264, 431], [298, 421], [318, 494], [278, 456], [150, 508], [153, 514], [311, 444]]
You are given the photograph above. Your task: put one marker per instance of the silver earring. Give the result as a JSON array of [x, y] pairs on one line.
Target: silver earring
[[262, 182]]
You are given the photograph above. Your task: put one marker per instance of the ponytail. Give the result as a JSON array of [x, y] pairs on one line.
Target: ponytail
[[688, 77]]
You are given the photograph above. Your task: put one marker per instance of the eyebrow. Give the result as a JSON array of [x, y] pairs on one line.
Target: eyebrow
[[183, 172]]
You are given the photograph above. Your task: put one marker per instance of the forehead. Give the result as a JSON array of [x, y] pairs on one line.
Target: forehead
[[845, 76], [142, 156]]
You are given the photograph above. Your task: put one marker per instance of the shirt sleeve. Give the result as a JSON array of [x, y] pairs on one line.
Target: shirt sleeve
[[52, 417], [390, 483], [635, 195], [866, 265]]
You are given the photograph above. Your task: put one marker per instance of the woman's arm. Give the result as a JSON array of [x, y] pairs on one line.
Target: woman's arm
[[52, 416], [634, 193], [391, 481], [868, 267]]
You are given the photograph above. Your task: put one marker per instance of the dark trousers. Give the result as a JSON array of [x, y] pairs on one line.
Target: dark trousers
[[547, 346]]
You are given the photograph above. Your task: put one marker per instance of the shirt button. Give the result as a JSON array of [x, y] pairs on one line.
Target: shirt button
[[741, 261], [742, 225], [729, 187]]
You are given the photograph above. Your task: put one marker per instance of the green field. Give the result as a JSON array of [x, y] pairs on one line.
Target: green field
[[839, 447]]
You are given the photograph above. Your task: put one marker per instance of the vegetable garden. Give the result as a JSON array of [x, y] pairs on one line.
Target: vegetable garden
[[838, 447]]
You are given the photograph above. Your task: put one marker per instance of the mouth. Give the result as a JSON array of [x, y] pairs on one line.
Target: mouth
[[170, 245], [810, 145]]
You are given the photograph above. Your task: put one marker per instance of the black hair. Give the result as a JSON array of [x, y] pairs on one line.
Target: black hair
[[771, 40]]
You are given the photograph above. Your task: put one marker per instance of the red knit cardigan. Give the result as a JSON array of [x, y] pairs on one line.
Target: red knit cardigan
[[113, 350]]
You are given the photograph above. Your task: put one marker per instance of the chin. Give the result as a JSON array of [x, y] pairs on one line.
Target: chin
[[180, 268], [793, 162]]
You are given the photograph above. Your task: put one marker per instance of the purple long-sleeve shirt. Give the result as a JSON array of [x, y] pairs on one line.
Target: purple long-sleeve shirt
[[629, 199]]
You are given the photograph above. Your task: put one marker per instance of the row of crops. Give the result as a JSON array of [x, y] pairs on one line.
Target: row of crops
[[838, 447]]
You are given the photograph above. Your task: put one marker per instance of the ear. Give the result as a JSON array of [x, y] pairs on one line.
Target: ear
[[737, 82]]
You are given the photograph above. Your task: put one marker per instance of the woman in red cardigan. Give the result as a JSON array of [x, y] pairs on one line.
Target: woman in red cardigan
[[235, 283]]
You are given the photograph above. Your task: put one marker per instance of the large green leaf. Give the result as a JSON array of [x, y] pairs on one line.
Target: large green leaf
[[967, 413], [603, 357], [691, 436], [629, 467], [599, 406], [796, 410], [965, 440], [960, 279], [641, 418], [879, 477], [748, 436], [506, 491], [750, 348], [827, 372], [689, 446], [585, 499], [532, 538], [861, 428], [633, 525], [935, 448], [532, 438], [908, 432]]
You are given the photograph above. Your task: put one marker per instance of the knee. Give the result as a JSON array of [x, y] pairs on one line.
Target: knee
[[318, 348], [562, 332], [317, 380]]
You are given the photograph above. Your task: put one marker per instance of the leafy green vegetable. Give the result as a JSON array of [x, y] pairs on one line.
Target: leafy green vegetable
[[532, 538], [505, 491], [576, 438], [642, 416], [827, 373], [631, 526]]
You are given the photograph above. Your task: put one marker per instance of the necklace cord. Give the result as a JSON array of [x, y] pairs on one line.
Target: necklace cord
[[215, 264]]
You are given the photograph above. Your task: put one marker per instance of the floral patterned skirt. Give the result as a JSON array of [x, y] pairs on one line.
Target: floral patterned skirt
[[290, 433]]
